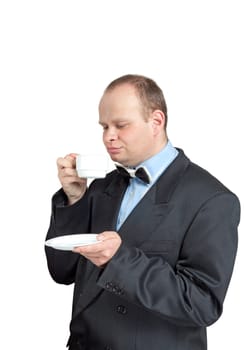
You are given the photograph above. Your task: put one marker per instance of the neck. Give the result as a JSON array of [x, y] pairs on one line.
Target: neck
[[158, 147]]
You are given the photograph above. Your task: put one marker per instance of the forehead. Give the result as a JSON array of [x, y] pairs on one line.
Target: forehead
[[120, 101], [123, 93]]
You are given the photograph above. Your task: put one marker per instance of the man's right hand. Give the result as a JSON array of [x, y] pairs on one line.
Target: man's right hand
[[73, 186]]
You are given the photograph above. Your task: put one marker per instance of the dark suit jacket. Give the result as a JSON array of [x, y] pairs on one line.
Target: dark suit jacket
[[168, 280]]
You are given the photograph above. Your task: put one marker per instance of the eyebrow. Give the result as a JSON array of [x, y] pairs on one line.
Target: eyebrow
[[115, 121]]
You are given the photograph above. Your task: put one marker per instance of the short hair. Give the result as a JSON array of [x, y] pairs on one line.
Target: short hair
[[149, 92]]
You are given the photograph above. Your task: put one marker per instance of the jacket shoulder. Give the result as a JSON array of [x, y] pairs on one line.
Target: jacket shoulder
[[196, 181], [198, 177]]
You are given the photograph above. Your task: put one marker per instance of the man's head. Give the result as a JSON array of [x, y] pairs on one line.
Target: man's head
[[149, 93], [133, 114]]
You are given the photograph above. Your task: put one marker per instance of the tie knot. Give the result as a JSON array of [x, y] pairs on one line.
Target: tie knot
[[141, 173]]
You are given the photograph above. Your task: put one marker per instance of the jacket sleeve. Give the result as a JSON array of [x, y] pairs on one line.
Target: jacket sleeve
[[191, 293], [65, 220]]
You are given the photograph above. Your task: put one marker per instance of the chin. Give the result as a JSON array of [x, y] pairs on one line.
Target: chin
[[117, 159], [114, 158]]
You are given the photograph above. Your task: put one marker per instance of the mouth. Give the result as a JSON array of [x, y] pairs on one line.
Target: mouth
[[113, 150]]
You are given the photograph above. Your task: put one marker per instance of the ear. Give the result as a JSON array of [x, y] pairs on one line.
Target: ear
[[158, 121]]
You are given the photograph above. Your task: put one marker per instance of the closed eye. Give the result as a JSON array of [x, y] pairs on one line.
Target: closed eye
[[121, 126]]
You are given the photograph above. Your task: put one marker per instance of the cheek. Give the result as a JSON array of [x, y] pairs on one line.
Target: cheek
[[146, 133], [137, 136], [130, 139], [103, 137], [139, 140]]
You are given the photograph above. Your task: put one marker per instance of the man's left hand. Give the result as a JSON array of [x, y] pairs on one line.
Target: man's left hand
[[99, 254]]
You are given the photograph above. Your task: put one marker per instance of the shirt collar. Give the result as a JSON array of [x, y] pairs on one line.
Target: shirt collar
[[160, 161]]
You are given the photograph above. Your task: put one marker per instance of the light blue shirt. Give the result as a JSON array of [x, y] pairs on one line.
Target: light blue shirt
[[155, 165]]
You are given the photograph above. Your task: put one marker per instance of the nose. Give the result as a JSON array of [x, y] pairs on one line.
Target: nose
[[110, 135]]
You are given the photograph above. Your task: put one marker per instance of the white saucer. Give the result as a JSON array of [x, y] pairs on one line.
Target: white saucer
[[69, 242]]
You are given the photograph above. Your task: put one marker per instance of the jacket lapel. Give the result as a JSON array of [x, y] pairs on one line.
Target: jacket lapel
[[143, 219], [155, 205], [106, 204]]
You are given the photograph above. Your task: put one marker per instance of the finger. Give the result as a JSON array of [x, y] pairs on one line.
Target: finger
[[107, 235], [68, 172], [103, 255], [69, 161], [64, 163], [72, 158], [91, 249], [72, 155], [66, 180]]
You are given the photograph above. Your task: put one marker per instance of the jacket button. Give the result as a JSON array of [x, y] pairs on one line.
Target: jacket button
[[114, 289], [121, 309], [109, 285], [120, 291]]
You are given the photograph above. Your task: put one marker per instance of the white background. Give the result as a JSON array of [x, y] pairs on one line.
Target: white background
[[56, 58]]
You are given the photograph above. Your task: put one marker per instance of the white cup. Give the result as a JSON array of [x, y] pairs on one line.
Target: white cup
[[91, 165]]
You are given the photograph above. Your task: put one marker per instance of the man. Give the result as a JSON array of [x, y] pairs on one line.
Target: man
[[168, 239]]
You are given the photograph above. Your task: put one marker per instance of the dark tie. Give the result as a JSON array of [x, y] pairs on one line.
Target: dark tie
[[141, 173]]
